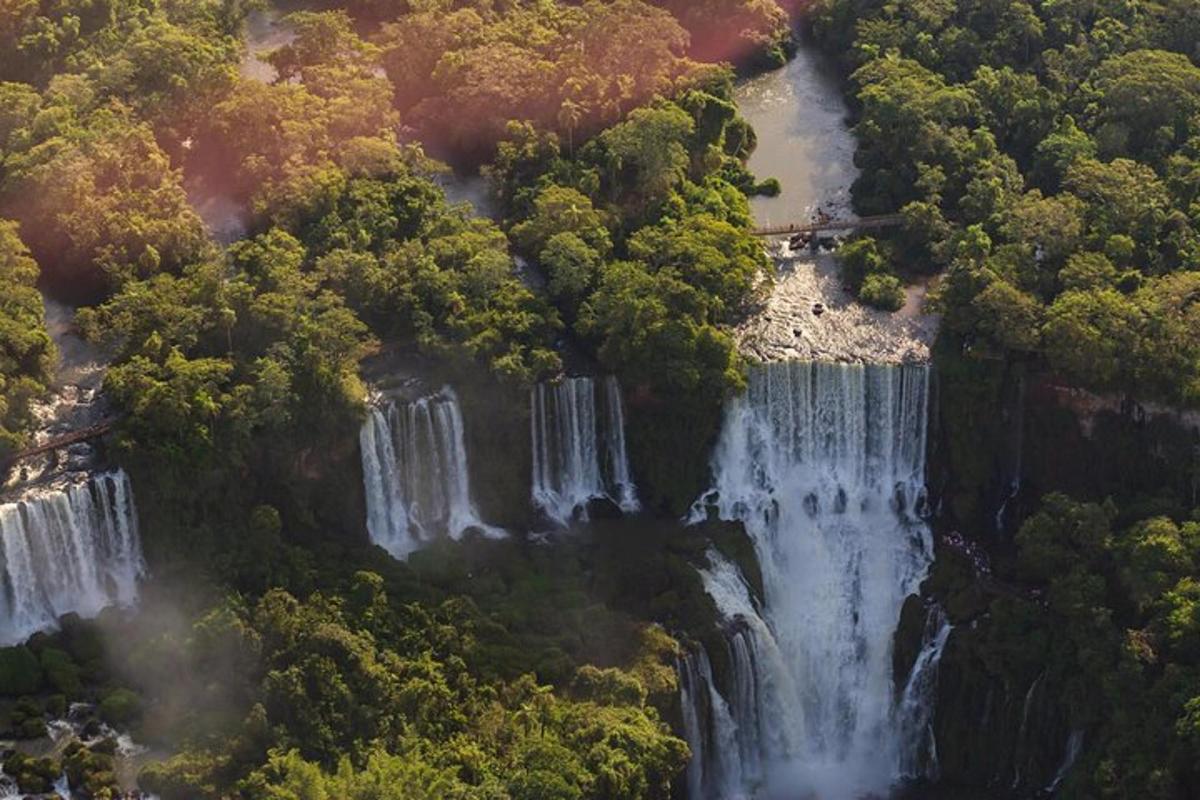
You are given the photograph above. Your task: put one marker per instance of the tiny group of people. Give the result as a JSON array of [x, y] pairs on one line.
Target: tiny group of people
[[803, 239]]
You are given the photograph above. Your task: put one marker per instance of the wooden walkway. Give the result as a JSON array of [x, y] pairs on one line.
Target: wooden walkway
[[57, 443], [865, 223]]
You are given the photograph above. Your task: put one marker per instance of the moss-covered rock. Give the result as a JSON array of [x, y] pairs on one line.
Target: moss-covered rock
[[906, 642], [669, 449], [33, 775], [500, 454], [996, 723], [92, 772], [61, 672], [20, 672], [735, 544], [24, 720], [81, 639], [973, 429]]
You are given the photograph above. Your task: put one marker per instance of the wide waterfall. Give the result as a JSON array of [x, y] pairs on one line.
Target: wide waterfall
[[578, 432], [414, 459], [825, 466], [74, 549]]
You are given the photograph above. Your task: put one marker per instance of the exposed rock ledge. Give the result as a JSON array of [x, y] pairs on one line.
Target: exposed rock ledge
[[786, 328], [1087, 406]]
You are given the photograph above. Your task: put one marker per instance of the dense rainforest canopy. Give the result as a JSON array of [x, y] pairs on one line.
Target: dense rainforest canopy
[[1045, 158]]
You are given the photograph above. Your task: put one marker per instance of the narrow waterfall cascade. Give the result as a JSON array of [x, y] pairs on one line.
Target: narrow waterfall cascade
[[1013, 486], [914, 709], [417, 483], [63, 550], [1071, 753], [708, 726], [744, 725], [825, 465], [578, 431]]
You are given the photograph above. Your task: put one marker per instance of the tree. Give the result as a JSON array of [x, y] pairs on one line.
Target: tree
[[572, 266], [1157, 555], [561, 209], [26, 351], [102, 204], [1121, 197], [884, 292], [646, 156], [858, 260], [1088, 334], [1149, 99]]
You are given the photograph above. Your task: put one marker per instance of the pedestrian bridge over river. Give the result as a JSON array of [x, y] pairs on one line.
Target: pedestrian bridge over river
[[57, 443], [860, 224]]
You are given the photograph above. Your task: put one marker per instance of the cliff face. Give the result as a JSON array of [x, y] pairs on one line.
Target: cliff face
[[1001, 720], [1007, 434], [496, 426]]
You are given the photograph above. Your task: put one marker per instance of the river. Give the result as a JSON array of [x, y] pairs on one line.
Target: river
[[800, 118]]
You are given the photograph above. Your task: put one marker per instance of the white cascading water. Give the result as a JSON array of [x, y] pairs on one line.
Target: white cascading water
[[73, 549], [914, 709], [578, 432], [414, 459], [825, 466], [708, 726]]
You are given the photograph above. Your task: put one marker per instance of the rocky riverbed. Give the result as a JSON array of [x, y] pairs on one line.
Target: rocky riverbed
[[810, 316]]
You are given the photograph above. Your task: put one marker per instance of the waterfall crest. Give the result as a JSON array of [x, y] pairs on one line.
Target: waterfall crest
[[69, 550], [824, 464], [578, 432], [417, 483]]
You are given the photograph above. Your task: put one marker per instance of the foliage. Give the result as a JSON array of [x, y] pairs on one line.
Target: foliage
[[754, 32], [99, 201], [352, 695], [26, 351], [1115, 640], [1024, 143], [568, 69], [884, 292]]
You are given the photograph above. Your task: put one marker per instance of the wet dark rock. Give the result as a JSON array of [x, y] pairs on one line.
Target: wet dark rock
[[906, 644], [603, 508]]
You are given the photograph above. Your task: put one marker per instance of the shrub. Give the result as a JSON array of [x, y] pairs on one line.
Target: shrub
[[883, 292], [857, 260], [768, 188]]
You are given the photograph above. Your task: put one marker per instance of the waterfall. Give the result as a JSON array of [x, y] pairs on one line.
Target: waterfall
[[74, 549], [414, 459], [914, 711], [1071, 753], [1013, 487], [578, 452], [825, 464], [709, 728]]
